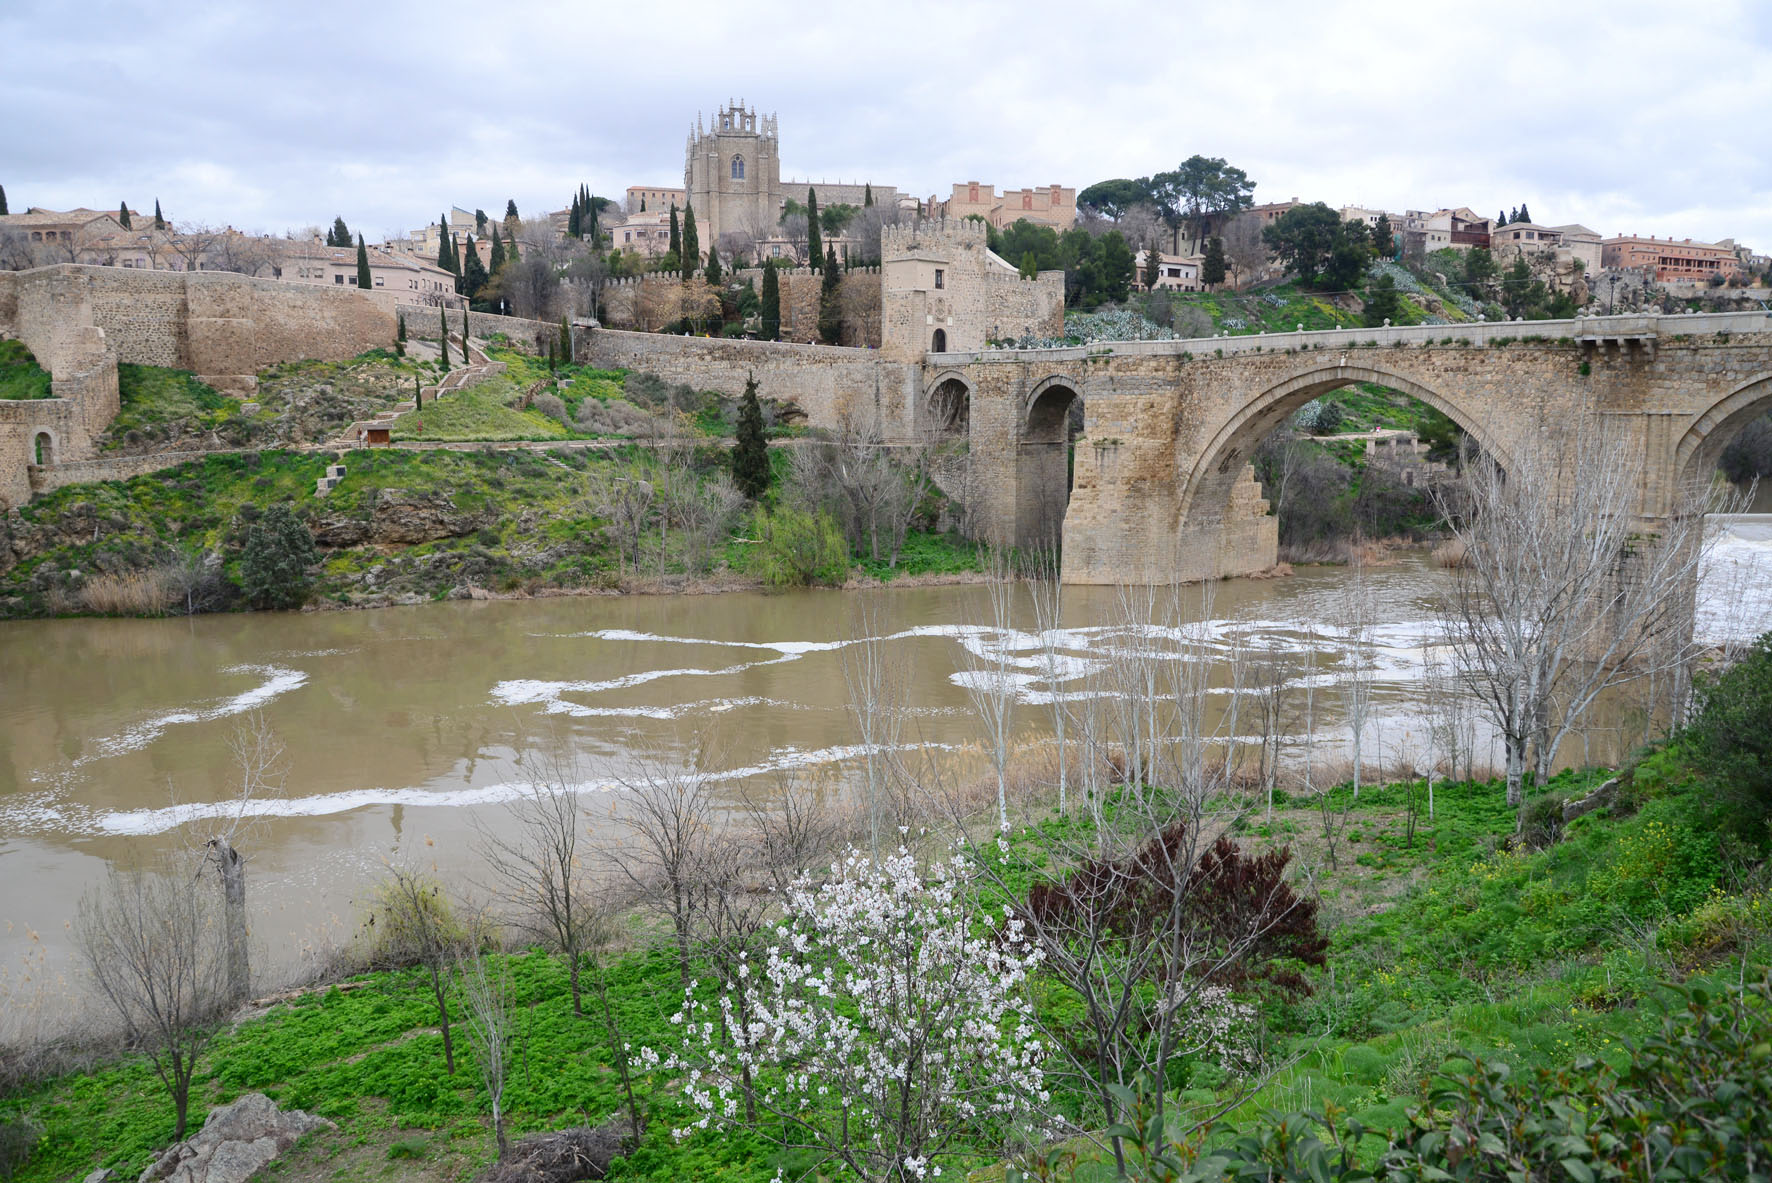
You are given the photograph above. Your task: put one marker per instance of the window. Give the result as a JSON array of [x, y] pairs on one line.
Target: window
[[738, 168], [338, 279], [378, 281], [940, 278], [775, 251]]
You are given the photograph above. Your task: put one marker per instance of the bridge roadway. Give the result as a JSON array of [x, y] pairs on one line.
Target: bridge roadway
[[1160, 485]]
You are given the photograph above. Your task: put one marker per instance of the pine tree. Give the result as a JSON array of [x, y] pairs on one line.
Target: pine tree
[[1501, 219], [750, 454], [511, 209], [1513, 216], [867, 195], [814, 245], [159, 222], [498, 251], [830, 307], [363, 280], [771, 302], [676, 244], [713, 270], [443, 341], [1525, 214], [3, 201], [1384, 238], [123, 215], [691, 247], [341, 234], [1212, 266]]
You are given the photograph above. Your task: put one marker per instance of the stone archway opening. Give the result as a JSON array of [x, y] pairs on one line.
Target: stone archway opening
[[949, 411], [939, 342], [1046, 463], [1317, 463], [43, 448], [1735, 442]]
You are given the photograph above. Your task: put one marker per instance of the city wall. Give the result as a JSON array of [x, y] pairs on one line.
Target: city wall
[[424, 321], [831, 384]]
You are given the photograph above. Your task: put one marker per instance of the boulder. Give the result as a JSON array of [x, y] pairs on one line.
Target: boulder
[[1601, 797], [235, 1142]]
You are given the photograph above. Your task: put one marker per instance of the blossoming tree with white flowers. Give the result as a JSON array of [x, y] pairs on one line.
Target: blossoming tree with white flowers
[[887, 1026]]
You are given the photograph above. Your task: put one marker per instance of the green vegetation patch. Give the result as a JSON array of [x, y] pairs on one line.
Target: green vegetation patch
[[160, 403], [1279, 309], [20, 375], [487, 411]]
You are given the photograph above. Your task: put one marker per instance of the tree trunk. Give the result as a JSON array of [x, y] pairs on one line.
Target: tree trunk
[[578, 1006], [443, 1019], [233, 878]]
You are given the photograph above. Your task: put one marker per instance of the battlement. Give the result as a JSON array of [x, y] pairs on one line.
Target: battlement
[[933, 232]]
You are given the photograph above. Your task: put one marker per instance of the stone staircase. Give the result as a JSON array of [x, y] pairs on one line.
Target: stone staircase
[[479, 367], [324, 485]]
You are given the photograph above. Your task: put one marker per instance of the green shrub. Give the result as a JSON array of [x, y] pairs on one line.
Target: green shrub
[[20, 375], [796, 549], [414, 1147], [1730, 738], [18, 1138], [276, 564]]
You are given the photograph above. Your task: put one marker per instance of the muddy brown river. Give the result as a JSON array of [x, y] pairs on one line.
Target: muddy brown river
[[403, 724]]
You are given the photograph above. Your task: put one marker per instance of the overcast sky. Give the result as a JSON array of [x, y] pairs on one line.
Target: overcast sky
[[1629, 117]]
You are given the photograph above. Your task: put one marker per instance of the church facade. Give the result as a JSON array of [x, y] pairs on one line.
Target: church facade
[[732, 173]]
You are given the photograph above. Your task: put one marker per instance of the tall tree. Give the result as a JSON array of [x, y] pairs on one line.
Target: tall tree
[[750, 454], [159, 222], [443, 341], [123, 215], [1202, 186], [1525, 214], [3, 201], [676, 244], [572, 218], [830, 305], [1115, 259], [480, 222], [341, 234], [1113, 198], [1383, 304], [1513, 216], [444, 245], [867, 195], [498, 251], [1153, 267], [363, 280], [1501, 219], [510, 210], [691, 243], [588, 219], [814, 247], [565, 340], [1384, 237], [473, 272], [1212, 268], [1316, 245], [771, 302], [713, 269]]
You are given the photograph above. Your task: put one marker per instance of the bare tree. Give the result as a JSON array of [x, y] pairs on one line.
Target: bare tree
[[1047, 589], [876, 703], [871, 492], [259, 759], [1244, 250], [672, 826], [1355, 618], [1562, 593], [540, 869], [625, 495], [153, 949], [192, 242], [990, 678], [486, 990], [414, 922]]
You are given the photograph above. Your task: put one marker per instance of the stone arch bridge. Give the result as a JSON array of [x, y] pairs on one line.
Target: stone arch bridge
[[1161, 486]]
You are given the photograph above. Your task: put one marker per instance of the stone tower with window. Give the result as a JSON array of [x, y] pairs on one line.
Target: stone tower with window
[[732, 173]]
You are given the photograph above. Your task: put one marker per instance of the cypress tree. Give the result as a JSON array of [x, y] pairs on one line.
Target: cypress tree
[[1384, 237], [443, 341], [750, 454], [341, 233], [511, 255], [159, 222], [464, 335], [572, 218], [713, 271], [814, 244], [1525, 214], [445, 248], [511, 209], [867, 195], [363, 280], [1501, 219], [565, 339], [498, 251], [1153, 268], [830, 308], [480, 222], [676, 244], [771, 302], [123, 215], [691, 246], [1212, 270], [588, 222], [3, 201], [473, 276], [400, 334]]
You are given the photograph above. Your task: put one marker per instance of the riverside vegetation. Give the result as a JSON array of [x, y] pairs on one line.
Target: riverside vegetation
[[647, 502], [1432, 986]]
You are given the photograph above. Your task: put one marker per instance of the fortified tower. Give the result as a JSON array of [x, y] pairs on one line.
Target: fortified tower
[[732, 173], [942, 290]]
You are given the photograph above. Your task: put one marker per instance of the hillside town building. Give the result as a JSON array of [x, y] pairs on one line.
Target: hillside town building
[[1671, 260], [1051, 205]]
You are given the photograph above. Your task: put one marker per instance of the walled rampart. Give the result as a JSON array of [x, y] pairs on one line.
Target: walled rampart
[[831, 384], [647, 303], [424, 321]]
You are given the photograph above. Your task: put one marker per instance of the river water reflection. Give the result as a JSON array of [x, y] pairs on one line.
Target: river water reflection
[[402, 723]]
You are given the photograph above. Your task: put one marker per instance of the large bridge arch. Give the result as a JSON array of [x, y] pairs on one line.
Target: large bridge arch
[[946, 410], [1049, 424], [1208, 483], [1700, 449]]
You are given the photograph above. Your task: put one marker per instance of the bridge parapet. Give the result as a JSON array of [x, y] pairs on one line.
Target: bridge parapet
[[1588, 329]]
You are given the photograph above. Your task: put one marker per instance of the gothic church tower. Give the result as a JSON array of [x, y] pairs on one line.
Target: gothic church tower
[[732, 173]]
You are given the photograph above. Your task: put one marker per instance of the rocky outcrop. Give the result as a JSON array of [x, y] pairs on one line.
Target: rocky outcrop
[[235, 1141], [398, 516]]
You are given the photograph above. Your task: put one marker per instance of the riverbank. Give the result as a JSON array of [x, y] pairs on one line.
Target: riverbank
[[1448, 940]]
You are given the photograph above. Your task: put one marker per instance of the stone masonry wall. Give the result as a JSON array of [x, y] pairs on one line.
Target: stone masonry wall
[[633, 303], [423, 322], [829, 383]]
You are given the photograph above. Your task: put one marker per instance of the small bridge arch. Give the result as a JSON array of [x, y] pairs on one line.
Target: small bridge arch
[[946, 413], [1700, 449], [1052, 418]]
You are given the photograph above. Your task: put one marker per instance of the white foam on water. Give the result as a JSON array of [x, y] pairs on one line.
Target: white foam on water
[[1735, 581], [278, 681]]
